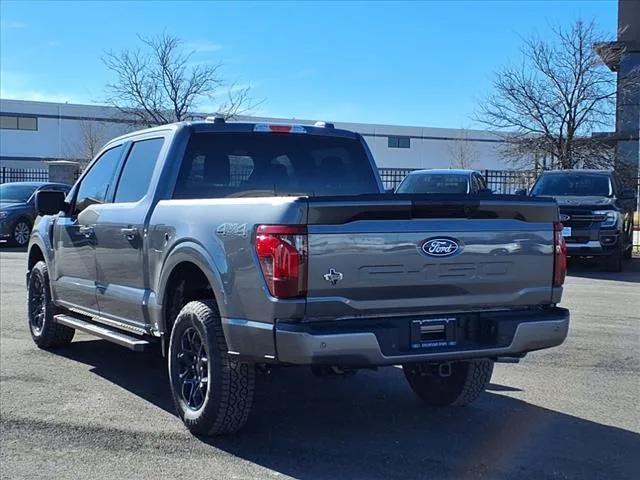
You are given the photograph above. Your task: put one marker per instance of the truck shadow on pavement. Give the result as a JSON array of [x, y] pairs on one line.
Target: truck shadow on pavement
[[371, 426], [591, 268]]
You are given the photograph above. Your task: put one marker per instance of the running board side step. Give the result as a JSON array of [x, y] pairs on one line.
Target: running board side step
[[132, 343]]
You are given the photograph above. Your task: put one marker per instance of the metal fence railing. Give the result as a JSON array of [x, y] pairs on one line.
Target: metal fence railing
[[499, 181], [9, 174], [391, 177], [509, 181]]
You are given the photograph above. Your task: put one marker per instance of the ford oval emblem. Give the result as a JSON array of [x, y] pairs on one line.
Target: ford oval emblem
[[441, 247]]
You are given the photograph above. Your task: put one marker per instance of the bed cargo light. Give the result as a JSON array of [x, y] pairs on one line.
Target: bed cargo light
[[265, 127]]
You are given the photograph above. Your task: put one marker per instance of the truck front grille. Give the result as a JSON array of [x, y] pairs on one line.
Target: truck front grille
[[580, 219]]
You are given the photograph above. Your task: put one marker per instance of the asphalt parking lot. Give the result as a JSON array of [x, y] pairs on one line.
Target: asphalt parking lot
[[96, 410]]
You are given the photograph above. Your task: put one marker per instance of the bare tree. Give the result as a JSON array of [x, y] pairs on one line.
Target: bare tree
[[92, 136], [159, 83], [462, 152], [548, 106]]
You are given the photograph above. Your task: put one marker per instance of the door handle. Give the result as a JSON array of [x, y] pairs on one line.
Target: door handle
[[129, 233], [85, 230]]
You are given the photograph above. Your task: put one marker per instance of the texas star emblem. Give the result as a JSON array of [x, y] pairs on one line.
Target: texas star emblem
[[333, 276]]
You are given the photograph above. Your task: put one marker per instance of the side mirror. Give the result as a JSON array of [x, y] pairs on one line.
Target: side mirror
[[50, 202], [521, 191], [627, 194]]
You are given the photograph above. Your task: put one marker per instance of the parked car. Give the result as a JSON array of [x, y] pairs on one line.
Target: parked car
[[239, 245], [596, 211], [444, 181], [17, 209]]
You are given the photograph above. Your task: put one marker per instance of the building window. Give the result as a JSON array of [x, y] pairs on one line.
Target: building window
[[399, 142], [16, 122], [9, 122], [27, 123]]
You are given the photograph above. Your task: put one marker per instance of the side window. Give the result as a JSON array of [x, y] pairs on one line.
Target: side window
[[617, 186], [473, 184], [479, 182], [138, 169], [95, 185]]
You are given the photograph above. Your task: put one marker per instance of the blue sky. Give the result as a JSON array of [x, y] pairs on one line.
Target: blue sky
[[407, 63]]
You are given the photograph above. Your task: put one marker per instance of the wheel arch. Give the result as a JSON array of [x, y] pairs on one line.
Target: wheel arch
[[189, 263], [36, 254], [40, 242]]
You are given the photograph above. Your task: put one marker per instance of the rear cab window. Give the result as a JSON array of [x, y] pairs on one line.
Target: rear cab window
[[434, 183], [238, 164]]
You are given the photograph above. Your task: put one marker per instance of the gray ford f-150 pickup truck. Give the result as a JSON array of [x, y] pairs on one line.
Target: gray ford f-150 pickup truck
[[237, 247]]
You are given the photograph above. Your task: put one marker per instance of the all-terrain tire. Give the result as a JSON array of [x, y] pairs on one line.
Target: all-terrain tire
[[467, 381], [230, 383], [45, 331]]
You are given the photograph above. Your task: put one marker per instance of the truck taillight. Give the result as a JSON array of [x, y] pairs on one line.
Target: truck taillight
[[559, 256], [282, 252]]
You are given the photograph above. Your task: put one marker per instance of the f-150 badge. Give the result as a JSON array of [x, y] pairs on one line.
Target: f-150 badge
[[333, 276]]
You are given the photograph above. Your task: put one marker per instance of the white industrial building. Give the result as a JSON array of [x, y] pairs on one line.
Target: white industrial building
[[32, 133]]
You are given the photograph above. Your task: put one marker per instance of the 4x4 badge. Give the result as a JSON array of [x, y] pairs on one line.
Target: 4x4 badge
[[333, 276]]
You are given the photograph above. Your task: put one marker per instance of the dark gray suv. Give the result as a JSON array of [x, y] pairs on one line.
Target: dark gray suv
[[17, 209], [596, 211]]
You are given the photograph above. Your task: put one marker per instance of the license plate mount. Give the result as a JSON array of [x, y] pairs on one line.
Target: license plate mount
[[434, 332]]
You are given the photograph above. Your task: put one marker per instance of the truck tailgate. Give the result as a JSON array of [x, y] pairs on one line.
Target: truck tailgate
[[415, 253]]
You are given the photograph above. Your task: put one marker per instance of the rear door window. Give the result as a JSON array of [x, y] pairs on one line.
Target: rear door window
[[136, 175], [248, 165]]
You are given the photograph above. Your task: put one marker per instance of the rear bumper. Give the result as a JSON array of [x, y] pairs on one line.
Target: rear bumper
[[377, 342]]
